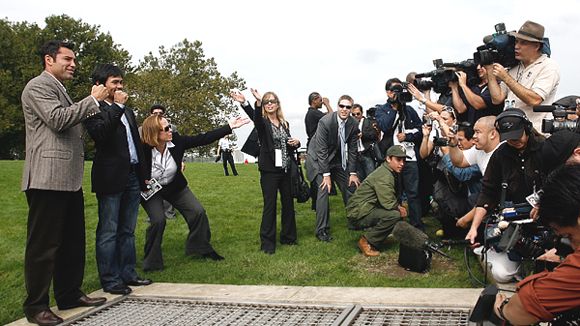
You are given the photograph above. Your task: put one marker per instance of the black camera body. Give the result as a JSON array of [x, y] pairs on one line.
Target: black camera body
[[497, 48], [440, 141], [402, 94], [445, 73]]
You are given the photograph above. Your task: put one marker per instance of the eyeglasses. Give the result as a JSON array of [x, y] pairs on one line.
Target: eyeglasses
[[272, 101], [166, 128], [356, 114], [342, 106]]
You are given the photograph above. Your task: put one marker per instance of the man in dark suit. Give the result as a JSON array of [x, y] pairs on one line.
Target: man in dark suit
[[117, 179], [332, 155], [52, 179], [368, 135]]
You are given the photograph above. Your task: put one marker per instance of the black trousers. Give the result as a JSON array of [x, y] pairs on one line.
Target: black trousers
[[188, 205], [271, 183], [227, 157], [55, 248]]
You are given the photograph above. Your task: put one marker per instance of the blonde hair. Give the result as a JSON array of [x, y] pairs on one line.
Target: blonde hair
[[279, 113], [150, 130]]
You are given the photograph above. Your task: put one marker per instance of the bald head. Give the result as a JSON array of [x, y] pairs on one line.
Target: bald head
[[485, 136]]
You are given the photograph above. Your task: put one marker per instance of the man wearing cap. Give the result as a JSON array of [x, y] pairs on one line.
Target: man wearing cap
[[563, 147], [533, 81], [375, 205], [517, 162]]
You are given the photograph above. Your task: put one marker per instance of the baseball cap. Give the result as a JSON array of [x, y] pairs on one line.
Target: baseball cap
[[397, 151], [558, 148], [511, 124]]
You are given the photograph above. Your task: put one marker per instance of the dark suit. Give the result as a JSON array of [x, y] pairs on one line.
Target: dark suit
[[324, 157], [52, 179], [273, 180], [118, 182], [180, 196]]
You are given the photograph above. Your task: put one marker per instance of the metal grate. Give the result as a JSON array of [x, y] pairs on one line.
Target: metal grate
[[411, 316], [161, 311]]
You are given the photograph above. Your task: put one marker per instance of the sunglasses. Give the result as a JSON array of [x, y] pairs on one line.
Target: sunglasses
[[356, 114], [166, 128], [342, 106], [266, 102]]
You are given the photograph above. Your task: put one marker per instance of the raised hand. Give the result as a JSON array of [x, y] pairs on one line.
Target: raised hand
[[238, 96], [238, 122], [99, 92], [256, 94], [120, 97]]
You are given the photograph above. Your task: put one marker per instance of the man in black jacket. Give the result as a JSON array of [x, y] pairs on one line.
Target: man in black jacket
[[117, 178], [367, 137]]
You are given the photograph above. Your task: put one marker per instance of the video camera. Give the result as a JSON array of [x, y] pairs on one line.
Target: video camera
[[511, 230], [497, 48], [445, 73], [560, 110]]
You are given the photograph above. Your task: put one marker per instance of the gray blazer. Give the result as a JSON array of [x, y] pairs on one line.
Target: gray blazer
[[324, 147], [54, 135]]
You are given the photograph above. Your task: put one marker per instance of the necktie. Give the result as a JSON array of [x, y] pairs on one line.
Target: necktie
[[342, 137]]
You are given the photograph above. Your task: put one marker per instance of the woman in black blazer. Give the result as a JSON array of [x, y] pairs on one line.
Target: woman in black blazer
[[276, 148], [163, 155]]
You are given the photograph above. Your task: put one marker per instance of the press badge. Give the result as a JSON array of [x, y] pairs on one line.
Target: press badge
[[278, 158], [534, 198]]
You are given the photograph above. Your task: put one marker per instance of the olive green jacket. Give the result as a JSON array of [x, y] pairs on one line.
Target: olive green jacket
[[377, 190]]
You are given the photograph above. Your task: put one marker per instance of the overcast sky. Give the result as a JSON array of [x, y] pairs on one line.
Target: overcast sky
[[333, 47]]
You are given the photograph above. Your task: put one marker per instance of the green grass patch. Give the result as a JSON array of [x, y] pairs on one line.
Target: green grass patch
[[234, 208]]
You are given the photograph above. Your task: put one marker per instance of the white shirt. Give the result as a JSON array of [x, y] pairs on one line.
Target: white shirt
[[224, 144], [359, 141], [163, 166], [543, 77], [479, 157]]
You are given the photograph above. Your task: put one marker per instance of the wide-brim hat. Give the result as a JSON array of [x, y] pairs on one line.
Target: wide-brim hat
[[530, 31]]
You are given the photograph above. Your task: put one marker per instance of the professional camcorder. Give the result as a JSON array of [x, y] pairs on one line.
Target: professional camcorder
[[445, 73], [497, 48], [560, 110], [511, 230]]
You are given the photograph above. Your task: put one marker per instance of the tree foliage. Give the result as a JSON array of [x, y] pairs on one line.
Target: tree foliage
[[188, 84], [181, 78]]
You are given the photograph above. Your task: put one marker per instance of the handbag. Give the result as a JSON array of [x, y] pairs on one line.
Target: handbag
[[299, 187]]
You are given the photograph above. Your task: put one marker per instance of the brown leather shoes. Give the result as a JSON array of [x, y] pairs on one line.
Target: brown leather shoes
[[366, 248], [83, 301], [45, 318]]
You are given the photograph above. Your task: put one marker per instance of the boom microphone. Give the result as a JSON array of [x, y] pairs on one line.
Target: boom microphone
[[411, 237]]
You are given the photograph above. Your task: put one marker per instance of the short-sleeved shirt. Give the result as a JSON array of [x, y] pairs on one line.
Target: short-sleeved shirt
[[547, 294], [542, 77], [478, 157]]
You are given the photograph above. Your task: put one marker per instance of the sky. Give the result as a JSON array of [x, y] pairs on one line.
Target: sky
[[333, 47]]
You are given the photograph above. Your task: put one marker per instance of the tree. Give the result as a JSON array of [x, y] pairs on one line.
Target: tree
[[188, 84]]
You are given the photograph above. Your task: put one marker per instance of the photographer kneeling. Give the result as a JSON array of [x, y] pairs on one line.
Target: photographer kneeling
[[544, 296]]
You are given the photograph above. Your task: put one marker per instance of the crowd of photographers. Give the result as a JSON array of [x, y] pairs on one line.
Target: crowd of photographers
[[483, 155]]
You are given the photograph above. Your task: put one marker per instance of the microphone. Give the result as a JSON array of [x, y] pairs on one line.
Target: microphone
[[414, 238]]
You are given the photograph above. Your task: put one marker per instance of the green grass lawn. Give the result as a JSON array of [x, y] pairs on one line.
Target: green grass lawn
[[234, 206]]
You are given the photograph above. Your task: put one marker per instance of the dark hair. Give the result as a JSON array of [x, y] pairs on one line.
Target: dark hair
[[312, 96], [51, 48], [467, 129], [390, 83], [560, 203], [345, 97], [358, 106], [103, 71], [157, 107]]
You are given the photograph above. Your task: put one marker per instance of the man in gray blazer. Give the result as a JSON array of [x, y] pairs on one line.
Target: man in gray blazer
[[332, 157], [52, 180]]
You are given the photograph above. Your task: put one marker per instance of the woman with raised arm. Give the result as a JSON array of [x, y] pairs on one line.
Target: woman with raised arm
[[163, 155], [274, 163]]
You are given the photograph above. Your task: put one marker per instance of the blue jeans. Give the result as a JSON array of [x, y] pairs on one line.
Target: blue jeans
[[365, 165], [116, 234], [410, 176]]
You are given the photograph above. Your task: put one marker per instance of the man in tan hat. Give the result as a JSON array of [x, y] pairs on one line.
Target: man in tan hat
[[533, 81], [375, 206]]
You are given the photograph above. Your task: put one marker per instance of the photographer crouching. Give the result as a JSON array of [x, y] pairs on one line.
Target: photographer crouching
[[549, 295]]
